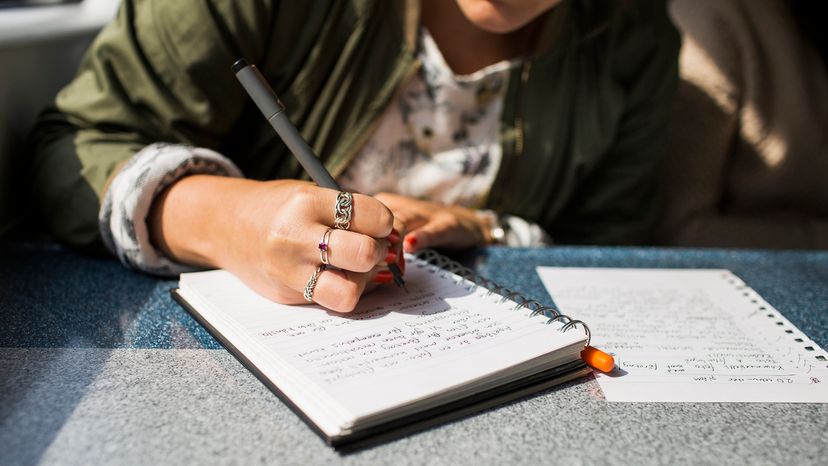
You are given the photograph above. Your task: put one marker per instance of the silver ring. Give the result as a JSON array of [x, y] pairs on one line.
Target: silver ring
[[312, 283], [323, 246], [343, 211]]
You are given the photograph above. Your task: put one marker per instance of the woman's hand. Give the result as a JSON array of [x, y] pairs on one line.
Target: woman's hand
[[430, 224], [267, 233]]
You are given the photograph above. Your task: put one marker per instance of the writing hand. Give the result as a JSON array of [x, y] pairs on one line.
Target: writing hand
[[267, 233]]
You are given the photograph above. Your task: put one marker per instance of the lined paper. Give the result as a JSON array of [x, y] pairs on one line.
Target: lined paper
[[690, 336], [396, 347]]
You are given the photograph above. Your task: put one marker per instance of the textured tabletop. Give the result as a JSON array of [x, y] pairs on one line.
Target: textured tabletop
[[99, 365]]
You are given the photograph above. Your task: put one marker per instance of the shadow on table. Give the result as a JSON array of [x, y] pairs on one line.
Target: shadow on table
[[616, 372], [446, 419], [63, 314]]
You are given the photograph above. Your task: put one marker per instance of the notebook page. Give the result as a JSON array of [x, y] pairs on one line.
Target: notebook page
[[690, 336], [326, 413], [397, 347]]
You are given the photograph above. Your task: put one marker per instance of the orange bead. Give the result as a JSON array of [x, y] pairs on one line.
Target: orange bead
[[597, 359]]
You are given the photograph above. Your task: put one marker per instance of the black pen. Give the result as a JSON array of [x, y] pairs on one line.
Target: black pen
[[262, 94]]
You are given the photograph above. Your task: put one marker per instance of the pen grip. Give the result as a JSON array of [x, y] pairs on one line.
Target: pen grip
[[303, 152], [262, 94]]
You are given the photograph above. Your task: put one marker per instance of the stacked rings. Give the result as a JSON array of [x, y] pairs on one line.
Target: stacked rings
[[343, 210], [323, 246], [343, 213]]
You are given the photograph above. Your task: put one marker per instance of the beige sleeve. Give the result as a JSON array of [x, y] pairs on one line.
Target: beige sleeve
[[702, 137]]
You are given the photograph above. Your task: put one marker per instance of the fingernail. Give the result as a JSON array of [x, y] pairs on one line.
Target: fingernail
[[391, 257], [383, 277], [394, 237], [412, 241]]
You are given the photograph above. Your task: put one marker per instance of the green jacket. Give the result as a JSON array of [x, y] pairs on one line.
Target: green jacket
[[581, 128]]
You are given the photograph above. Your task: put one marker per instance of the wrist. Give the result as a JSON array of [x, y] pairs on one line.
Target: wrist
[[188, 221], [494, 232]]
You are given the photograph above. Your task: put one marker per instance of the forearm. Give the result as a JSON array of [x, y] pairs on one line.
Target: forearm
[[125, 213]]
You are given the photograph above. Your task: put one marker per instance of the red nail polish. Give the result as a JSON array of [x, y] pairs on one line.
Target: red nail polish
[[383, 277], [391, 257], [394, 237], [411, 240]]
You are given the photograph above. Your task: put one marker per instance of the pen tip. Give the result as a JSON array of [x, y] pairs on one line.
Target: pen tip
[[397, 275]]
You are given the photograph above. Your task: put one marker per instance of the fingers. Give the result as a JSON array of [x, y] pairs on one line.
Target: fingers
[[431, 234], [408, 213], [337, 290], [443, 230], [363, 260], [280, 237], [352, 251], [368, 216], [438, 233]]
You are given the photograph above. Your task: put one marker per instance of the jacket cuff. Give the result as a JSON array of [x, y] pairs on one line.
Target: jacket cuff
[[123, 216], [519, 232], [514, 231]]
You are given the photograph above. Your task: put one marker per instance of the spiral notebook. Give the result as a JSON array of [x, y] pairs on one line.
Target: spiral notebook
[[454, 344]]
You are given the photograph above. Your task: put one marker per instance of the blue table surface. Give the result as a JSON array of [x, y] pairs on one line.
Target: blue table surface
[[99, 365], [51, 297]]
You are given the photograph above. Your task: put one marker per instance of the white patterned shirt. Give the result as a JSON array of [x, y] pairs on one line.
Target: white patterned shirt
[[439, 139]]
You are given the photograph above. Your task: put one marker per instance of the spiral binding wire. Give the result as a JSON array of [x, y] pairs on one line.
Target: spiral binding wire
[[448, 266]]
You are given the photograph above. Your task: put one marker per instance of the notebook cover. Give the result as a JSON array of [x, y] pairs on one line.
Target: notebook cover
[[416, 422]]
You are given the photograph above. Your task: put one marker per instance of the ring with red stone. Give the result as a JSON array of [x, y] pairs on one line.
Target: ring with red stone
[[324, 246]]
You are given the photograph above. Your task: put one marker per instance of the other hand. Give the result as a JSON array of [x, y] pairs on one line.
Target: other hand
[[431, 224]]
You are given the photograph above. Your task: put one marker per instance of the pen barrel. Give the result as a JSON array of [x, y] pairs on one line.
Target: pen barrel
[[259, 90], [303, 152], [273, 110]]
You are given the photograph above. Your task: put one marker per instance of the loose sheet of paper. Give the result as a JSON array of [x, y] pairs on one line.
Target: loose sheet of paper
[[689, 336]]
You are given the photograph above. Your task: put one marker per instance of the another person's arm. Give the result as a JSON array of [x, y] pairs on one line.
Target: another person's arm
[[722, 100]]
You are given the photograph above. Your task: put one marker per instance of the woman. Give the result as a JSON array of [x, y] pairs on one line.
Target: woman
[[455, 117]]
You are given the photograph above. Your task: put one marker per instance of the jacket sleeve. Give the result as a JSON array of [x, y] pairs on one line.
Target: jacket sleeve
[[616, 203], [722, 93], [160, 72]]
